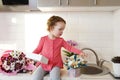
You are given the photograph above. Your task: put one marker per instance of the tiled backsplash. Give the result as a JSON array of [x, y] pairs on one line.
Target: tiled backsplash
[[116, 33], [12, 30], [90, 29]]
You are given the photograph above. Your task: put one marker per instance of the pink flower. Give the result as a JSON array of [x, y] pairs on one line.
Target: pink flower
[[72, 43]]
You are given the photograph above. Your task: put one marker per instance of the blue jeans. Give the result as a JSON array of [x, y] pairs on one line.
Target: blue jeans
[[39, 73]]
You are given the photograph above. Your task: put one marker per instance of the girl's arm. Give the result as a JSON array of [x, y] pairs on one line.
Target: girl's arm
[[39, 47], [71, 48]]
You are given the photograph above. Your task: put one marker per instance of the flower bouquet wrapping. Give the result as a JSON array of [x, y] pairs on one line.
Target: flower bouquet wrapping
[[73, 62], [13, 62]]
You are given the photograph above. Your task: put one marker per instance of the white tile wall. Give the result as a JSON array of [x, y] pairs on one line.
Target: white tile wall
[[116, 33], [89, 29], [12, 30]]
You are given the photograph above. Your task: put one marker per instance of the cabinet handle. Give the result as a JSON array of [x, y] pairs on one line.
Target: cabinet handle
[[68, 2], [60, 2], [95, 2]]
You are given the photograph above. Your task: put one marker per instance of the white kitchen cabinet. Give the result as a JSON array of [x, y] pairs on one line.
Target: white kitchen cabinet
[[49, 3], [54, 3], [97, 79], [107, 2], [81, 2], [72, 3]]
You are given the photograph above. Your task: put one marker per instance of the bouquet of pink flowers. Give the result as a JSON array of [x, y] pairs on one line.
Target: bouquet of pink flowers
[[13, 61]]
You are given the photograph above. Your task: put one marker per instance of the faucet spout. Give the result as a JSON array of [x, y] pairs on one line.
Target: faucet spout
[[97, 59]]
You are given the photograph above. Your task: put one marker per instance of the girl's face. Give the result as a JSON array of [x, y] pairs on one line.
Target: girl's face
[[58, 29]]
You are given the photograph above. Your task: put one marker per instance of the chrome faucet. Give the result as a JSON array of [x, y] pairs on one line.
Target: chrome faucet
[[99, 62]]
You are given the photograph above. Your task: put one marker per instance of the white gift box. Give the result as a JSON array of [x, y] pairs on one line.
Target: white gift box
[[37, 57]]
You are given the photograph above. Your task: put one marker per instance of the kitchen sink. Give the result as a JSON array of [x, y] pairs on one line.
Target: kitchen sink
[[93, 69]]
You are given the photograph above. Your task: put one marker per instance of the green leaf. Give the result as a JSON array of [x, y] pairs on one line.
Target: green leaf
[[67, 53]]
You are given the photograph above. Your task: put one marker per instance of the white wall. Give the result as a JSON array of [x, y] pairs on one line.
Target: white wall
[[89, 29], [12, 30], [117, 33]]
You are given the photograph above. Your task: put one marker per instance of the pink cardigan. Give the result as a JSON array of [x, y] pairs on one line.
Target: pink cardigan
[[52, 50]]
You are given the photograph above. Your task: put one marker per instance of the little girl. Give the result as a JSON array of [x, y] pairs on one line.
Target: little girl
[[50, 47]]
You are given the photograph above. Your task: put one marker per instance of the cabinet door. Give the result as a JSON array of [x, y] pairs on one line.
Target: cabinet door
[[99, 79], [107, 2], [81, 2], [49, 3]]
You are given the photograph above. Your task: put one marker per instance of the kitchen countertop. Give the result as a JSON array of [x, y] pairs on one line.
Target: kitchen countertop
[[64, 76]]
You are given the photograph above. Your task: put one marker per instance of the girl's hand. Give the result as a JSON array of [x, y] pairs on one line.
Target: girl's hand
[[37, 64], [83, 55]]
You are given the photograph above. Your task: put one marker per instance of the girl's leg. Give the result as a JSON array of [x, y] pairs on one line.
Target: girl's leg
[[38, 74], [55, 73]]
